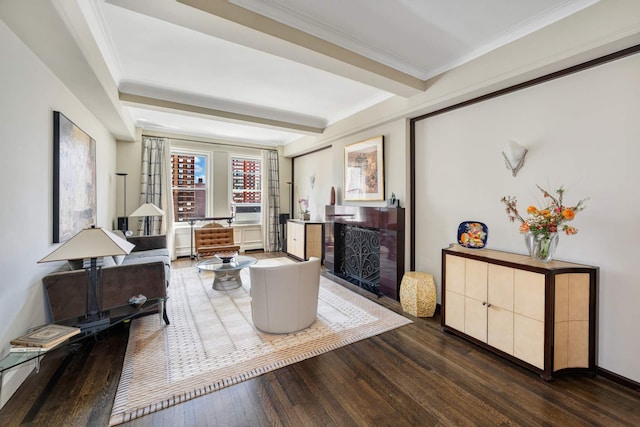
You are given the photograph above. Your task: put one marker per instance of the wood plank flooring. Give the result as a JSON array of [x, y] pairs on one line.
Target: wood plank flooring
[[415, 375]]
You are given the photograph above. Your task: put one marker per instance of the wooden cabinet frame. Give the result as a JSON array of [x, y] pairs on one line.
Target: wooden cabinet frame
[[305, 239], [568, 308]]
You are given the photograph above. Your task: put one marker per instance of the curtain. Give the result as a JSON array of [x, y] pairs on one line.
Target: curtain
[[156, 187], [271, 193]]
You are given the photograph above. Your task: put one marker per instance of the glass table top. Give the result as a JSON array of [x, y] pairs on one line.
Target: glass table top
[[13, 359], [237, 263]]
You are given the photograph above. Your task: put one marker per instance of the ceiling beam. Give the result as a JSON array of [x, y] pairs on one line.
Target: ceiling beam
[[134, 100]]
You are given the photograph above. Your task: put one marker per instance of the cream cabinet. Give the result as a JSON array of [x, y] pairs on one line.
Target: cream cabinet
[[305, 239], [540, 315]]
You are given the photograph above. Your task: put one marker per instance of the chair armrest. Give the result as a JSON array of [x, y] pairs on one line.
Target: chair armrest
[[145, 243]]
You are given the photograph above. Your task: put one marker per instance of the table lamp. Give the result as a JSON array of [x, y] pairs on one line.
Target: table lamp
[[146, 210], [91, 243]]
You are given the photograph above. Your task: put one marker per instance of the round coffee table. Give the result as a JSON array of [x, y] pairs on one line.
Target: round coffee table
[[227, 274]]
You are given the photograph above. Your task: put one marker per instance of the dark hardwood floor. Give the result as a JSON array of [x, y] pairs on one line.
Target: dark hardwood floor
[[410, 376]]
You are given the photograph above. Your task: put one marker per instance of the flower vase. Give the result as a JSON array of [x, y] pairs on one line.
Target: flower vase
[[544, 247], [306, 216], [529, 242]]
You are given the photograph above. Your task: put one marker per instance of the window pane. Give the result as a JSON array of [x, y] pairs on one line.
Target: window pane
[[189, 185], [246, 181]]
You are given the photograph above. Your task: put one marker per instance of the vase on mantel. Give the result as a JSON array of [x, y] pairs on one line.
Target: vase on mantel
[[544, 247]]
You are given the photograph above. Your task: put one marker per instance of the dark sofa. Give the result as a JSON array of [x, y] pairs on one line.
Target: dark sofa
[[146, 270]]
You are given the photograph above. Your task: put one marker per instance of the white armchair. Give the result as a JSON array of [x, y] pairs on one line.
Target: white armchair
[[284, 298]]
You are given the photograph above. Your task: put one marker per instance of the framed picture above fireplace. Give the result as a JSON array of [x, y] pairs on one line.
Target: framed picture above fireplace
[[364, 170], [74, 179]]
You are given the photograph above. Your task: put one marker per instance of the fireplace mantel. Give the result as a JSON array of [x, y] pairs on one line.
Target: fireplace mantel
[[388, 223]]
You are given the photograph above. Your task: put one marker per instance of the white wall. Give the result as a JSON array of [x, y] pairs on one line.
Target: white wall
[[328, 167], [319, 167], [583, 132], [30, 94]]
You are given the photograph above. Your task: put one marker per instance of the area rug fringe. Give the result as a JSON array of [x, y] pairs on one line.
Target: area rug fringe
[[342, 313]]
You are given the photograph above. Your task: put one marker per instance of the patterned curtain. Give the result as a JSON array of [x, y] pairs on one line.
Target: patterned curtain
[[156, 187], [271, 193]]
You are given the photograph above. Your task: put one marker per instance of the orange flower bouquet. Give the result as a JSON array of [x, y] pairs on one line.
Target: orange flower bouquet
[[543, 224]]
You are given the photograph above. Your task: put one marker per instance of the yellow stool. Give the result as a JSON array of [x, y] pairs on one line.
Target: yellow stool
[[418, 294]]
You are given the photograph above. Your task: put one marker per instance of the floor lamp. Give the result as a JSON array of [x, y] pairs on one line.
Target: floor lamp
[[147, 210], [91, 244], [123, 221]]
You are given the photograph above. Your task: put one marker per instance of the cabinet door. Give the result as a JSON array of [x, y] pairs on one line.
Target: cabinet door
[[295, 239], [454, 310], [455, 273], [313, 239], [475, 318], [500, 307], [528, 327], [476, 279], [475, 308], [454, 292]]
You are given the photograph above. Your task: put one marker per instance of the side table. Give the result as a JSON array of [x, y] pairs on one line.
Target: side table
[[123, 313]]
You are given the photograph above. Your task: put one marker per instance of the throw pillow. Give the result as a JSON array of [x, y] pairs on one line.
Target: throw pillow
[[75, 264], [118, 259]]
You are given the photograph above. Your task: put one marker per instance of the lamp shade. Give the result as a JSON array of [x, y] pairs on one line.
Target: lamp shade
[[148, 209], [514, 156], [90, 243]]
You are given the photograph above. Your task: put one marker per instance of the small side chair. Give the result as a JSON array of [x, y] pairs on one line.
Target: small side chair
[[284, 298]]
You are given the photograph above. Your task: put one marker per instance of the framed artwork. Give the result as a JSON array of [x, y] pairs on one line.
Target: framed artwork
[[364, 170], [74, 179]]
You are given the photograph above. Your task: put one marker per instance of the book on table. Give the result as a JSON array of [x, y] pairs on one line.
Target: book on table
[[25, 349], [46, 337]]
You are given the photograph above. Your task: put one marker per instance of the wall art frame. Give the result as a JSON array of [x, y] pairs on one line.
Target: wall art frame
[[364, 170], [74, 179]]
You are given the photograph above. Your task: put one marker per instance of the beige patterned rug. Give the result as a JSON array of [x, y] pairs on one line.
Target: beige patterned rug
[[212, 343]]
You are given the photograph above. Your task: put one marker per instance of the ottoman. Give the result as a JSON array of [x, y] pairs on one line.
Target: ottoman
[[418, 294]]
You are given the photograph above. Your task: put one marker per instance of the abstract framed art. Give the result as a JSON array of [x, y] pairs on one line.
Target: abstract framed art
[[364, 170], [74, 179]]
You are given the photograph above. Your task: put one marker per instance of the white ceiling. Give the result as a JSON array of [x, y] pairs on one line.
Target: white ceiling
[[272, 71]]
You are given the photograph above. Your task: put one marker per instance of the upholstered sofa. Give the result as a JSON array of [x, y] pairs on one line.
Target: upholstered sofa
[[146, 270]]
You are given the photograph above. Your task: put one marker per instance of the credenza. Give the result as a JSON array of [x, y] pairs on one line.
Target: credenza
[[539, 315], [305, 239]]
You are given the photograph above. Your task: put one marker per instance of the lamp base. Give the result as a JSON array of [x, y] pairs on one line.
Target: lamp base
[[90, 326], [123, 223]]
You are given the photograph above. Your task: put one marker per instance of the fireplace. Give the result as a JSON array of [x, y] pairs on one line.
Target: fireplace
[[359, 260], [365, 246]]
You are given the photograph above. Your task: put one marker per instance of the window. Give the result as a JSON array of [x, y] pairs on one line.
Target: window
[[246, 178], [189, 185], [246, 189]]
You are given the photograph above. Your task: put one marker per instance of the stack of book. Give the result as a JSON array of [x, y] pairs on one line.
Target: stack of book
[[43, 339]]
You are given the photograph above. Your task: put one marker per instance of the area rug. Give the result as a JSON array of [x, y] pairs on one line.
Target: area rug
[[212, 343]]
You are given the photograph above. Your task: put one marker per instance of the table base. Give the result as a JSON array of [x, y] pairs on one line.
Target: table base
[[227, 280]]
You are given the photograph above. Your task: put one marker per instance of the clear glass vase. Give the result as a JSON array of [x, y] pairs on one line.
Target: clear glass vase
[[544, 247], [529, 242]]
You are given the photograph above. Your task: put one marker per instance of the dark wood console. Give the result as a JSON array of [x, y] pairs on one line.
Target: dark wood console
[[377, 230]]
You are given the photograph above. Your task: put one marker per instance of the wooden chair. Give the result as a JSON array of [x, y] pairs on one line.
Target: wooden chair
[[213, 238]]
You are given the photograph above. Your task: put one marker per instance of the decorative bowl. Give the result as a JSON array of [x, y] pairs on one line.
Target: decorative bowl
[[226, 257], [473, 234], [137, 300]]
